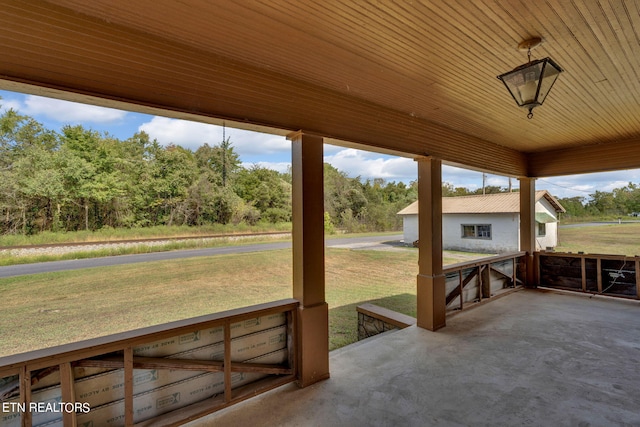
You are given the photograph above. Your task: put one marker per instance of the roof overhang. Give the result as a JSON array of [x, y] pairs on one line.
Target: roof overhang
[[410, 79], [545, 218]]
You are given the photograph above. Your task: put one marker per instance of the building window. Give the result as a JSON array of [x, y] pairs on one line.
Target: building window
[[476, 231], [542, 229]]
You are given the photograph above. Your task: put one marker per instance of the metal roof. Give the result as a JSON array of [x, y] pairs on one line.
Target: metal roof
[[481, 204]]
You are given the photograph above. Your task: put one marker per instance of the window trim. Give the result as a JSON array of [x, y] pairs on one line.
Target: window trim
[[541, 227], [476, 231]]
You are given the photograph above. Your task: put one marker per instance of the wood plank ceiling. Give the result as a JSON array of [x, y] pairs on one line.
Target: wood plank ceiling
[[412, 77]]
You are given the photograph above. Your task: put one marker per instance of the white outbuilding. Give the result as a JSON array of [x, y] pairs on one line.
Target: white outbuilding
[[488, 223]]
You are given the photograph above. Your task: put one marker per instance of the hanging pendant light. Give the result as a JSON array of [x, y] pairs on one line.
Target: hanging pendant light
[[530, 83]]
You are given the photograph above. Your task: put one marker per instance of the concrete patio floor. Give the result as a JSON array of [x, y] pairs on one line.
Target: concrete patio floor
[[532, 358]]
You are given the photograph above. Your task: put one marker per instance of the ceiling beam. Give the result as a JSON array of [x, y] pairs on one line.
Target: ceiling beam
[[52, 47], [619, 155]]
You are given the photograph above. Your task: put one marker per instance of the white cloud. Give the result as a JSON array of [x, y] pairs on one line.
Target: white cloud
[[70, 112], [329, 149], [581, 188], [585, 184], [472, 180], [8, 104], [180, 132], [192, 135], [372, 165], [613, 185]]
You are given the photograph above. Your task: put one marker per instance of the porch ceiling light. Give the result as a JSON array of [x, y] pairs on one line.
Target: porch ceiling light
[[530, 83]]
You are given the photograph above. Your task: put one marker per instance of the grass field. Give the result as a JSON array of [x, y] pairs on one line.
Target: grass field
[[50, 309], [619, 239], [107, 234], [6, 258]]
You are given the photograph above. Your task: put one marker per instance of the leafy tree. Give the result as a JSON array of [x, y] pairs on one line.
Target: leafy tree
[[24, 145], [267, 190], [343, 198], [490, 189], [209, 203], [627, 198], [220, 159], [373, 205], [575, 206], [83, 179], [603, 202], [40, 184], [96, 174], [170, 173], [448, 190]]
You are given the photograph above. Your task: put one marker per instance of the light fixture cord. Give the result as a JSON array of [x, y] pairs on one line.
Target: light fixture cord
[[530, 115]]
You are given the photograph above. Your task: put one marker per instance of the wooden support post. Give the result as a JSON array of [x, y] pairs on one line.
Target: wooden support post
[[68, 393], [292, 341], [637, 277], [479, 274], [128, 387], [599, 274], [528, 227], [431, 292], [456, 292], [25, 395], [227, 361], [308, 257], [514, 273], [583, 273], [461, 289], [486, 281]]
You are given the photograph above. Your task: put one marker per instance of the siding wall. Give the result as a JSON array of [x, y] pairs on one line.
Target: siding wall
[[504, 232], [410, 228], [550, 239], [504, 228]]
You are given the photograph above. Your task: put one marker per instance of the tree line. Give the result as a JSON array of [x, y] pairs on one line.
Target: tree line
[[623, 201], [81, 179]]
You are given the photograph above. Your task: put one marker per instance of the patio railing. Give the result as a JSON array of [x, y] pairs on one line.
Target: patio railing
[[613, 275], [475, 281], [160, 375]]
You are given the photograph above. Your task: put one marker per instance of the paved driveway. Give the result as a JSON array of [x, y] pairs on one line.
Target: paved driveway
[[53, 266]]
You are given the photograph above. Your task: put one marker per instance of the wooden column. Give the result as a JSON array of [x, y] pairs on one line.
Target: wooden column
[[637, 277], [129, 407], [431, 304], [583, 273], [25, 395], [485, 276], [67, 387], [308, 257], [599, 274], [528, 227]]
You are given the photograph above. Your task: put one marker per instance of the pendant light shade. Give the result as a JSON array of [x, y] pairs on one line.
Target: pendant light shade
[[530, 83]]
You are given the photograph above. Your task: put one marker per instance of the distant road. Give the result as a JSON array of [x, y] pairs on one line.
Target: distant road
[[595, 224], [76, 264]]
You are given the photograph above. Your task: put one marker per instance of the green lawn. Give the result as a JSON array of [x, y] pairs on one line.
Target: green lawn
[[618, 239], [48, 309], [107, 234]]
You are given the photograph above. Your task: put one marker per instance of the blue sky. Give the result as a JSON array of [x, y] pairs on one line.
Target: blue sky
[[274, 151]]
